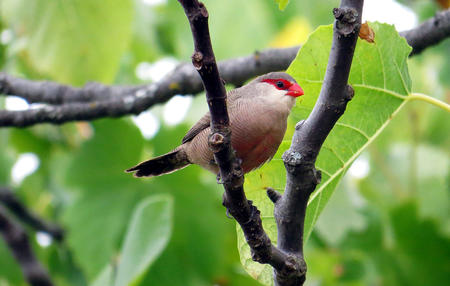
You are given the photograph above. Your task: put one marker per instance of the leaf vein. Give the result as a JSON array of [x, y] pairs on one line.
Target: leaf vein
[[382, 65], [354, 129], [325, 172], [334, 153], [401, 77], [357, 153]]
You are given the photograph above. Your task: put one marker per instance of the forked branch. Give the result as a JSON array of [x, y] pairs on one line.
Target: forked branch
[[234, 199]]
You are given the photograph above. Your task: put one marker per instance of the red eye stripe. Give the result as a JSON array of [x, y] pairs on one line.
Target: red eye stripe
[[279, 83]]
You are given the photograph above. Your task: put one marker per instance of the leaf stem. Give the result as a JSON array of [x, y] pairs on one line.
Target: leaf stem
[[423, 97]]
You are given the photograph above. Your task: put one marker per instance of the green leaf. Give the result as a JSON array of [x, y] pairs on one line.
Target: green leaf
[[105, 278], [407, 248], [25, 140], [105, 196], [282, 4], [6, 159], [116, 145], [72, 41], [380, 78], [146, 238], [341, 214], [96, 222], [10, 271], [422, 250]]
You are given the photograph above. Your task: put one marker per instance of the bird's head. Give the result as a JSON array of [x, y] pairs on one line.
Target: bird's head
[[275, 87], [283, 82], [280, 83]]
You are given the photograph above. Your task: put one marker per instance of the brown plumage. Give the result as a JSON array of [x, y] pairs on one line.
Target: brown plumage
[[258, 114]]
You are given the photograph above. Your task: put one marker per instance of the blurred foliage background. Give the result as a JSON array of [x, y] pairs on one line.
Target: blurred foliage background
[[387, 223]]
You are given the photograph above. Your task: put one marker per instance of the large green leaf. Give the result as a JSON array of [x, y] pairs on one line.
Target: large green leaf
[[380, 78], [147, 236], [97, 216], [72, 41], [96, 223]]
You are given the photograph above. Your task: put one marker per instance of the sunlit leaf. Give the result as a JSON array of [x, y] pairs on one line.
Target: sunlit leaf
[[282, 4], [380, 78]]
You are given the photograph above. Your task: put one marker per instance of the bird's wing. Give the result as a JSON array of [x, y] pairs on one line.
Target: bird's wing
[[205, 121], [202, 124]]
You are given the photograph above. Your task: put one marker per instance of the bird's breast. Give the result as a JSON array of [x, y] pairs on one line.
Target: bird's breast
[[257, 130], [256, 134]]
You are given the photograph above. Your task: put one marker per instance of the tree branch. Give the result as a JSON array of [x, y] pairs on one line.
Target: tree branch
[[428, 33], [299, 160], [96, 100], [9, 200], [56, 94], [234, 199], [184, 80], [17, 241]]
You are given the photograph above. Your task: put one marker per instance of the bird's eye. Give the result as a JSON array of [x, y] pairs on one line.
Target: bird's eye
[[280, 84]]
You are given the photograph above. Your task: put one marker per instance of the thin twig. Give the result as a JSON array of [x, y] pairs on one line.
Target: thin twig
[[10, 201], [18, 242]]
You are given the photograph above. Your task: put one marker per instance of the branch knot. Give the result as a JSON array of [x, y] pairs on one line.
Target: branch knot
[[218, 140], [299, 124], [197, 60], [203, 10], [292, 158], [346, 20], [303, 168], [349, 92]]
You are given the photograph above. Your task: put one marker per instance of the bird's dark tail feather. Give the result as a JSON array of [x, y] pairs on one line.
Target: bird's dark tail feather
[[161, 165]]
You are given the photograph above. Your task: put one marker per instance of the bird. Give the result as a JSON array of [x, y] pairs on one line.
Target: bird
[[258, 113]]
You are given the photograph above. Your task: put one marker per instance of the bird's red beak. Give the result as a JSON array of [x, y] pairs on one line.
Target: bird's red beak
[[295, 90]]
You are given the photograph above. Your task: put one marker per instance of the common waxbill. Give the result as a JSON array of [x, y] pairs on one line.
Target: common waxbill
[[258, 114]]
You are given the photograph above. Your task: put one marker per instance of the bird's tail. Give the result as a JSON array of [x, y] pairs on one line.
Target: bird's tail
[[161, 165]]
